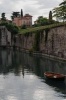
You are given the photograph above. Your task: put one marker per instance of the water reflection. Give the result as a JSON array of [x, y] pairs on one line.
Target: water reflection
[[16, 61], [24, 65]]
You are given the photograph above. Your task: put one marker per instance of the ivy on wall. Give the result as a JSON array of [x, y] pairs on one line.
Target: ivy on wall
[[38, 36], [46, 35], [27, 34], [41, 35], [36, 45]]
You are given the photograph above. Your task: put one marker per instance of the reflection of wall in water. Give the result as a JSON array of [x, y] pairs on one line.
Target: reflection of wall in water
[[9, 58], [53, 66], [6, 58], [43, 64], [34, 64]]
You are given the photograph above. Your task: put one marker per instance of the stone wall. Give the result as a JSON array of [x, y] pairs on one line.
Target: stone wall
[[56, 41], [51, 42], [5, 36]]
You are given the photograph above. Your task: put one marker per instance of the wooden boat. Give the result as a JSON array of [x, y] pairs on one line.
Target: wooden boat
[[54, 76]]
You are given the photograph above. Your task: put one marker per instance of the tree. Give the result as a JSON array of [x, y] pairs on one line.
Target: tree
[[15, 14], [56, 13], [3, 17], [21, 13], [63, 3], [42, 20], [60, 11], [12, 17], [63, 8], [50, 16]]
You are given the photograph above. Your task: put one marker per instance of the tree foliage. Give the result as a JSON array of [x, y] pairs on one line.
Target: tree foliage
[[15, 14], [50, 16], [41, 21], [21, 13], [60, 11], [3, 18], [11, 27]]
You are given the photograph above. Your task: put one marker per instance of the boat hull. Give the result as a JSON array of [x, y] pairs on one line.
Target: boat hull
[[54, 76]]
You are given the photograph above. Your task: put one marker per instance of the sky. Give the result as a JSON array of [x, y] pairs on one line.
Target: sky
[[33, 7]]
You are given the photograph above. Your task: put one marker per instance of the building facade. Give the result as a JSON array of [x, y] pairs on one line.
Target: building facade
[[24, 20]]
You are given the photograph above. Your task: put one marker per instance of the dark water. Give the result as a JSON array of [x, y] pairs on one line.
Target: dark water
[[22, 77]]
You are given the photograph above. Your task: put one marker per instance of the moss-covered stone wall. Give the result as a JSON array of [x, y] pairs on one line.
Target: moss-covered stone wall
[[49, 41]]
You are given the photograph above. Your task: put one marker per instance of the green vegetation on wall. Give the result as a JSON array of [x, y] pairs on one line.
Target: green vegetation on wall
[[41, 34], [36, 45], [27, 34], [11, 27], [33, 30]]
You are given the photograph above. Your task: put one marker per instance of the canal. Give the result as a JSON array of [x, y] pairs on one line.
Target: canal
[[22, 77]]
